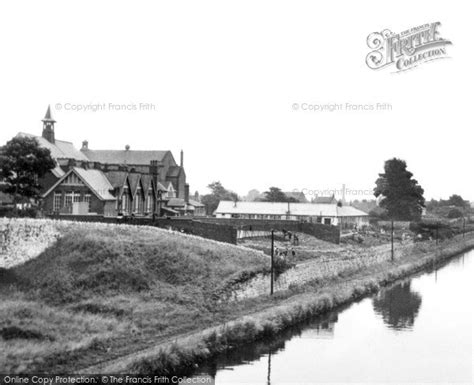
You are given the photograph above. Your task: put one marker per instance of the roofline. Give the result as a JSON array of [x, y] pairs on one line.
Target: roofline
[[80, 177]]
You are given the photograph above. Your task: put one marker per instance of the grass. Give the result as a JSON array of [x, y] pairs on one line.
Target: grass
[[96, 287]]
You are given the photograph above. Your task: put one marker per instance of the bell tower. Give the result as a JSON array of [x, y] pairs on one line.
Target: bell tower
[[48, 126]]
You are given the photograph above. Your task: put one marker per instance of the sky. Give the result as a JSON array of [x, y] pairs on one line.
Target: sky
[[226, 81]]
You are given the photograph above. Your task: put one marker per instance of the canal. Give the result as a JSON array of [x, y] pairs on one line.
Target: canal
[[418, 330]]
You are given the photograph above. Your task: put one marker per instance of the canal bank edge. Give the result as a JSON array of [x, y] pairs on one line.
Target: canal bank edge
[[182, 354]]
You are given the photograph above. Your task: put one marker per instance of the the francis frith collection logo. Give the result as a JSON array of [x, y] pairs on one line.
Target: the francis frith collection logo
[[407, 49]]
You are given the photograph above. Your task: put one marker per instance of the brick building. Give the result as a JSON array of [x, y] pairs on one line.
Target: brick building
[[112, 182]]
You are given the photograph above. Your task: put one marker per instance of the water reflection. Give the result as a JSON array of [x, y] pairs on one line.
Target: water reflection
[[398, 306], [321, 327], [249, 353], [370, 350]]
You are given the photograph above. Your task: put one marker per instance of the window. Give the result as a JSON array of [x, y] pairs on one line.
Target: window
[[139, 201], [136, 200], [149, 201], [125, 201], [319, 220], [327, 221], [68, 200], [76, 196], [87, 198], [57, 201]]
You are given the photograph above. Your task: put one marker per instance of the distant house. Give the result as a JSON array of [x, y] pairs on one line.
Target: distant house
[[326, 213], [298, 196], [324, 199]]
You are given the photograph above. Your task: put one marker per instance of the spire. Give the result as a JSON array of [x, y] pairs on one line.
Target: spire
[[48, 126], [48, 117]]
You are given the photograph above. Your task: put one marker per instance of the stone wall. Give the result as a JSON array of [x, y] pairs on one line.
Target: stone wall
[[209, 230], [324, 268], [324, 232], [23, 239]]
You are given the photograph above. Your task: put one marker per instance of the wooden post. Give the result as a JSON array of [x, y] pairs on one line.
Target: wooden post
[[271, 266], [437, 232], [393, 253]]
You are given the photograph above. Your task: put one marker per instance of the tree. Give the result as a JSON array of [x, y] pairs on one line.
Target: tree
[[274, 194], [458, 201], [253, 196], [401, 195], [218, 193], [22, 163]]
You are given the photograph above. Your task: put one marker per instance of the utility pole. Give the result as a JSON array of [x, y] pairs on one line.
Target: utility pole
[[393, 253], [271, 265]]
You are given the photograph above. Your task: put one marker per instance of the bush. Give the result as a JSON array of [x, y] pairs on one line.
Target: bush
[[455, 213], [12, 212]]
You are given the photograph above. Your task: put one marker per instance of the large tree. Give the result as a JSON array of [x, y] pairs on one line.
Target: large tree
[[275, 194], [22, 163], [218, 193], [400, 193]]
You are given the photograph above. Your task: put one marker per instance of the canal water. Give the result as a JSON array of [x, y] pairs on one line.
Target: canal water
[[416, 331]]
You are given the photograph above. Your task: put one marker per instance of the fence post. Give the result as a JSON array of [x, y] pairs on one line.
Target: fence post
[[271, 264]]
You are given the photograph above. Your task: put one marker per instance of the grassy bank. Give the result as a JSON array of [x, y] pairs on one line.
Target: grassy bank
[[100, 288], [181, 357]]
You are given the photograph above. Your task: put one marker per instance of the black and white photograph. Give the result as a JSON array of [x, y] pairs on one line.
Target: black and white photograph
[[236, 192]]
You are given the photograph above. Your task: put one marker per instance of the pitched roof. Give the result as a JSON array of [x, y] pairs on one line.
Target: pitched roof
[[298, 195], [174, 171], [94, 179], [330, 199], [160, 187], [133, 178], [281, 208], [349, 211], [58, 172], [176, 202], [194, 203], [124, 156], [146, 182], [60, 149], [117, 178]]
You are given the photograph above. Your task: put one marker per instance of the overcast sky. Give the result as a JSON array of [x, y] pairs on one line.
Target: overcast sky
[[223, 78]]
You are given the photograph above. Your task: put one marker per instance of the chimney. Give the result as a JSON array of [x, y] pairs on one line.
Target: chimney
[[182, 159], [71, 163], [85, 145], [186, 193], [154, 177]]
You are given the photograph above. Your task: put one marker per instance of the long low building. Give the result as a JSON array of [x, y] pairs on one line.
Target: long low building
[[326, 213]]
